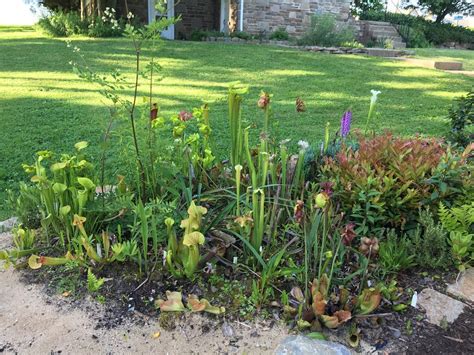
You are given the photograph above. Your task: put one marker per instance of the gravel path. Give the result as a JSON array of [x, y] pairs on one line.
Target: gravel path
[[33, 323]]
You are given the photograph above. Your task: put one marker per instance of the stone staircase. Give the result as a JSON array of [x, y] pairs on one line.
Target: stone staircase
[[379, 32]]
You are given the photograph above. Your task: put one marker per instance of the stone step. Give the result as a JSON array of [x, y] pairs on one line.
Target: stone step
[[377, 23], [375, 27], [382, 52], [381, 31], [391, 31]]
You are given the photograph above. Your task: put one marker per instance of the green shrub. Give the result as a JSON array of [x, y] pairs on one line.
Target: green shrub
[[395, 254], [461, 115], [418, 32], [63, 24], [459, 222], [280, 35], [360, 7], [352, 44], [384, 181], [198, 35], [325, 31], [242, 35], [430, 243], [215, 34], [26, 204], [107, 25]]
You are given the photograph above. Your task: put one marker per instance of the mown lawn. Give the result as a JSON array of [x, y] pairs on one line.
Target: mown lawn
[[458, 55], [44, 105]]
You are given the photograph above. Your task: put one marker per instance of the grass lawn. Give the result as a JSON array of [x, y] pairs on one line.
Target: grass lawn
[[458, 55], [43, 105]]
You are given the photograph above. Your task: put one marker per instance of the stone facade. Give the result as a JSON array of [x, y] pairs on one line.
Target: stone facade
[[260, 16], [265, 16]]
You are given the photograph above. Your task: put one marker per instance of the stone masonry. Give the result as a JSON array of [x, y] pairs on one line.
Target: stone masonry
[[265, 16], [260, 16]]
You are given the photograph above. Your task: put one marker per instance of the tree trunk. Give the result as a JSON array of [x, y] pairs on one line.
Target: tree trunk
[[83, 9], [440, 17]]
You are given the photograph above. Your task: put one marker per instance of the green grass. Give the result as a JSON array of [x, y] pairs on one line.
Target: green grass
[[43, 105], [460, 55]]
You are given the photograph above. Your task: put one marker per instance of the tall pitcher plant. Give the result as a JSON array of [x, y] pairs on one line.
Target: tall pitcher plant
[[235, 121]]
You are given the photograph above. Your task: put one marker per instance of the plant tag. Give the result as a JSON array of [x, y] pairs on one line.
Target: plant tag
[[414, 300]]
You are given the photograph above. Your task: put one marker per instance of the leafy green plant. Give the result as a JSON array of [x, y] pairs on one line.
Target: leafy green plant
[[424, 31], [241, 34], [384, 180], [60, 23], [25, 204], [261, 288], [24, 241], [63, 24], [430, 242], [459, 221], [280, 34], [174, 303], [182, 258], [395, 254], [235, 122], [64, 190], [93, 282], [145, 227], [461, 115]]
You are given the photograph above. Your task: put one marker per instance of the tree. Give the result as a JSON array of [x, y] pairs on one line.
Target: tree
[[65, 5], [363, 6], [443, 8]]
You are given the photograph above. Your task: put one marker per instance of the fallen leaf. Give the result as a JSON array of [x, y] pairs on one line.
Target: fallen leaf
[[66, 294], [156, 335]]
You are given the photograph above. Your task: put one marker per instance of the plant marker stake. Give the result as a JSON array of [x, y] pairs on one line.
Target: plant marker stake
[[414, 300]]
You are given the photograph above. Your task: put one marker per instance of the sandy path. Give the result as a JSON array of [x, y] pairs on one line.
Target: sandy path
[[33, 323]]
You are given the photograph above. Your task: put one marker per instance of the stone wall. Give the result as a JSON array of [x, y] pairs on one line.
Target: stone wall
[[196, 15], [293, 15]]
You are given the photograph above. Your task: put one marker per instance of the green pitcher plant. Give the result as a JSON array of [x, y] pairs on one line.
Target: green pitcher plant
[[182, 258]]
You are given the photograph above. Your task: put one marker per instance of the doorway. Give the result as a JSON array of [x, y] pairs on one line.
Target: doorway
[[153, 14]]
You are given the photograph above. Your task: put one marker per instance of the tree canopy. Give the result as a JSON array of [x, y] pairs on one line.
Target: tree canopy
[[443, 8]]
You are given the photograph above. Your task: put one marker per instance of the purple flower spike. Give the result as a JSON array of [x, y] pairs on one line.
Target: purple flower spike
[[346, 123]]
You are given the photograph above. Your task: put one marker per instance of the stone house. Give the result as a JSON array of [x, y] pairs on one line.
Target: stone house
[[252, 16]]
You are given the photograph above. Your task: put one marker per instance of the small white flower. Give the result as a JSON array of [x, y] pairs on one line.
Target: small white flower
[[107, 8], [303, 145], [374, 93], [113, 10], [76, 49], [130, 15]]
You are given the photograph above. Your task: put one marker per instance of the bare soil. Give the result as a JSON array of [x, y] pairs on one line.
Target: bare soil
[[36, 319]]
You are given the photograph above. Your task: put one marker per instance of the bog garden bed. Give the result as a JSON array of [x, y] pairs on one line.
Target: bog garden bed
[[333, 237]]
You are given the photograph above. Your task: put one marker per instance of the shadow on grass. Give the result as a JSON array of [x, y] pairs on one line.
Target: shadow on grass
[[413, 100]]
